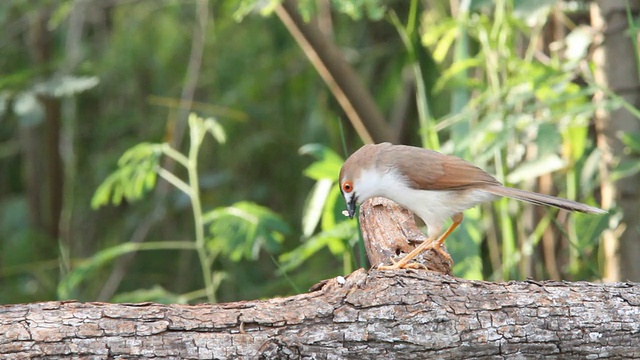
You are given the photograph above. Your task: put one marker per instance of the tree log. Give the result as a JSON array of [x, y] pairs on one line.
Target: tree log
[[404, 314], [390, 232], [381, 314]]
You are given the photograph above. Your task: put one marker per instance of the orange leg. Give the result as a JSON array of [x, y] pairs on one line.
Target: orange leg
[[428, 244]]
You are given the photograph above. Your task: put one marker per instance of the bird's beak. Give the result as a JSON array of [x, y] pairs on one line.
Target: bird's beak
[[351, 207]]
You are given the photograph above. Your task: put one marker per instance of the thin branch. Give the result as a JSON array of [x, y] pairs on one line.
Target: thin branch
[[175, 181], [175, 155], [356, 100]]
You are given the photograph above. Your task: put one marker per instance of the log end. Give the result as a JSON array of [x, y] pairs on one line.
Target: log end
[[390, 232]]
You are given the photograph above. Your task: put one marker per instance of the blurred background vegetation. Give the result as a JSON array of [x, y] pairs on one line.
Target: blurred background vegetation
[[122, 122]]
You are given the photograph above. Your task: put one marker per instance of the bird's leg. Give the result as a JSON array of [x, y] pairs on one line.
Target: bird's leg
[[404, 262], [457, 219], [428, 244]]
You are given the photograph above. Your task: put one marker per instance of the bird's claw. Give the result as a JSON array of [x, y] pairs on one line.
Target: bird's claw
[[395, 265]]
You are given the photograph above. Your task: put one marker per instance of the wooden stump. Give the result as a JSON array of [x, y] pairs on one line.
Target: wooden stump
[[390, 231]]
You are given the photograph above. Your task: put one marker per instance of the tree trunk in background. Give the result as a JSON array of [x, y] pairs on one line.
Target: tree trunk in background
[[616, 69], [345, 85], [48, 188]]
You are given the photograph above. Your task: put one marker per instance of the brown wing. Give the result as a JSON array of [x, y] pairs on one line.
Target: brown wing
[[430, 170]]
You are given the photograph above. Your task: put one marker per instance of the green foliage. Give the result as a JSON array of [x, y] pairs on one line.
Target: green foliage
[[327, 164], [629, 167], [238, 231], [485, 93], [156, 294], [515, 105], [87, 268], [355, 9], [323, 206], [136, 174], [243, 229]]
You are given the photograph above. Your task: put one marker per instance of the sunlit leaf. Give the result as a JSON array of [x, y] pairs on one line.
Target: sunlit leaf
[[314, 206], [328, 163], [443, 46], [533, 169], [452, 73], [575, 140], [333, 208]]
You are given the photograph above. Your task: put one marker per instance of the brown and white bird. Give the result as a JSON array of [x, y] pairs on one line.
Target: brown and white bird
[[432, 185]]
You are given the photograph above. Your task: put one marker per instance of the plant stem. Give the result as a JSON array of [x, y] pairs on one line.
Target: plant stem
[[174, 180], [574, 252], [175, 155], [506, 224], [411, 39], [205, 261]]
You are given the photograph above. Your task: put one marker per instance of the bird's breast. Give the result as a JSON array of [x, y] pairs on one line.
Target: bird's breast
[[432, 206]]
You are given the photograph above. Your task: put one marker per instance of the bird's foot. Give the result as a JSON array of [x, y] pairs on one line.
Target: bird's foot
[[405, 264], [444, 254], [400, 265]]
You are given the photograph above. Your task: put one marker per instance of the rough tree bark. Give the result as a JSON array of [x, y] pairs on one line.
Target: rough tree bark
[[407, 314], [401, 315]]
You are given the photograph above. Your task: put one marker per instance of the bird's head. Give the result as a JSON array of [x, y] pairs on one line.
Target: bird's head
[[359, 177], [347, 187]]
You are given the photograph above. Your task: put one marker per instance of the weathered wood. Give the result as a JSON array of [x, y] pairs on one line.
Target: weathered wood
[[381, 314], [390, 232], [404, 314]]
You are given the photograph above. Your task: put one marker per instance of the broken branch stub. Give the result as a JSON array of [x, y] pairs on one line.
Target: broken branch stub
[[390, 232]]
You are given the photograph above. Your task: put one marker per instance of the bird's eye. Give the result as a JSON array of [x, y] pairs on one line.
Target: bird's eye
[[347, 186]]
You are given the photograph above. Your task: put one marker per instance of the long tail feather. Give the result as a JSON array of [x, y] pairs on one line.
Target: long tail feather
[[542, 199]]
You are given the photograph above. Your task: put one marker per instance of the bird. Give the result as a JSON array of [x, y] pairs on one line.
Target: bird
[[434, 186]]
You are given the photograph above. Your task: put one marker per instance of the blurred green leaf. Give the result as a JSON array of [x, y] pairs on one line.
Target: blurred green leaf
[[328, 162], [465, 246], [136, 174], [632, 140], [336, 239], [548, 141], [532, 10], [356, 9], [625, 169], [156, 294], [242, 230], [575, 142], [245, 7], [87, 268], [452, 73]]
